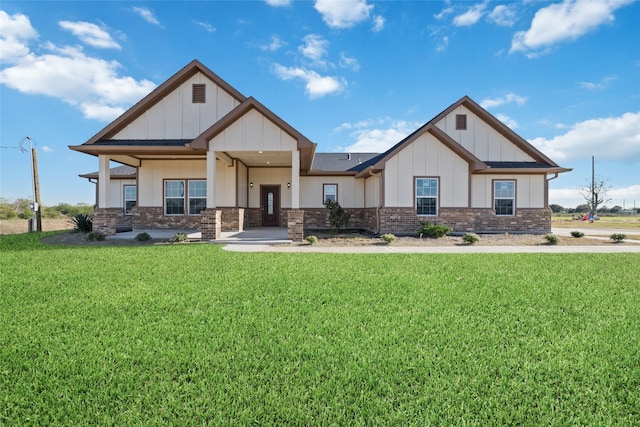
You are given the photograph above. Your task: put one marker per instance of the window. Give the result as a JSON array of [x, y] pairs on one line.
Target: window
[[427, 196], [197, 197], [504, 197], [461, 121], [198, 93], [129, 198], [329, 193], [174, 197]]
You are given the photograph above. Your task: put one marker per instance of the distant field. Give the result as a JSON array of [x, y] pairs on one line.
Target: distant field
[[19, 226], [607, 222], [194, 335]]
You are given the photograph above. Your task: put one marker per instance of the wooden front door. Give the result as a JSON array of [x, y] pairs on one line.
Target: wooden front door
[[270, 205]]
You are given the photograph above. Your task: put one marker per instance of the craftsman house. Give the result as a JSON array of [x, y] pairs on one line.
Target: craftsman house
[[197, 154]]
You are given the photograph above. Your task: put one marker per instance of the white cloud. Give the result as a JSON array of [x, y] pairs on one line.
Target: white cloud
[[278, 3], [146, 14], [90, 34], [91, 84], [503, 15], [378, 24], [343, 13], [564, 21], [208, 27], [507, 121], [442, 44], [316, 86], [15, 33], [47, 149], [314, 48], [275, 44], [349, 62], [471, 16], [378, 139], [602, 84], [508, 98], [612, 138]]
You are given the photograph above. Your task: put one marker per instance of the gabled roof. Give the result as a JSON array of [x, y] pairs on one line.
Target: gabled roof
[[119, 172], [340, 162], [160, 92], [305, 146]]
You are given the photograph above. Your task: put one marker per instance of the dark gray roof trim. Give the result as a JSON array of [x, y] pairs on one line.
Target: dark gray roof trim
[[145, 142], [518, 165]]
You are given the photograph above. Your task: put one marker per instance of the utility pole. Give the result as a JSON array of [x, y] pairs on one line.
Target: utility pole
[[594, 196], [36, 189]]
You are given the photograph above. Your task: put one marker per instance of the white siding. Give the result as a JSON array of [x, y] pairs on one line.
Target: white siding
[[529, 190], [176, 117], [253, 132], [270, 176], [372, 191], [426, 157], [350, 191], [481, 139], [116, 191]]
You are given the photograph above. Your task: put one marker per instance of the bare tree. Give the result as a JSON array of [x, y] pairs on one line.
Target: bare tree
[[595, 192]]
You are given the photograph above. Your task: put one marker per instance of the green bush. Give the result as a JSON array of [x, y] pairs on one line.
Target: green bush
[[143, 237], [338, 217], [83, 223], [95, 236], [311, 239], [577, 234], [388, 238], [552, 238], [179, 237], [434, 230], [470, 238], [618, 237]]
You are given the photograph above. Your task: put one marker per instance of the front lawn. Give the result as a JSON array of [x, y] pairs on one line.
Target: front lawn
[[193, 335]]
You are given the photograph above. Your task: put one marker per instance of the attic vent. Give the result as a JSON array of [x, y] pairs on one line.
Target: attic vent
[[198, 94], [461, 122]]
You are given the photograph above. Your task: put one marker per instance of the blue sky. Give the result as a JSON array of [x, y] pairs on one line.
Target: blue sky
[[351, 75]]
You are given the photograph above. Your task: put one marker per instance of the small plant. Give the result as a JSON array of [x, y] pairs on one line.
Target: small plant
[[143, 237], [311, 239], [552, 238], [83, 223], [95, 236], [470, 238], [180, 237], [388, 238], [435, 231], [338, 217], [618, 237], [577, 234]]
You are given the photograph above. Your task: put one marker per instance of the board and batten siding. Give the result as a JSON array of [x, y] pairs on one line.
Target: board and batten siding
[[153, 173], [270, 176], [426, 157], [116, 191], [177, 117], [350, 191], [372, 191], [481, 139], [530, 190], [253, 132]]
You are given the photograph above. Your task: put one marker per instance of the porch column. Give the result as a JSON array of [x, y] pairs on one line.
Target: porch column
[[295, 179], [211, 179], [104, 176]]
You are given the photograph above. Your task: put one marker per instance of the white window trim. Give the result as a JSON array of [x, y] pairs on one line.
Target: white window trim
[[513, 198], [436, 197], [125, 200], [186, 205], [188, 198], [324, 192]]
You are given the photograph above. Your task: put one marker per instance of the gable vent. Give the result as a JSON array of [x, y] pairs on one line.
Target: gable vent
[[198, 94], [461, 121]]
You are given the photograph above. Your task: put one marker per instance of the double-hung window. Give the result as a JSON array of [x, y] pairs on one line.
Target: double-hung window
[[197, 197], [174, 197], [329, 193], [129, 198], [427, 196], [504, 197], [182, 196]]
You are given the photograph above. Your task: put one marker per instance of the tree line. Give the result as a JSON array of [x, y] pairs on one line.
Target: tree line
[[581, 209], [21, 209]]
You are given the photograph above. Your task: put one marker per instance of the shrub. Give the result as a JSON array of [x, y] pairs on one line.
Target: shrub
[[311, 239], [434, 230], [95, 236], [552, 238], [179, 237], [577, 234], [83, 223], [388, 238], [143, 237], [618, 237], [470, 238], [338, 217]]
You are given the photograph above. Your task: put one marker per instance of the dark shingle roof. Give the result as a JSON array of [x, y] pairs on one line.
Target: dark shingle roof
[[341, 162]]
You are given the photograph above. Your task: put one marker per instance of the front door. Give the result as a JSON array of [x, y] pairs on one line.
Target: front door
[[270, 205]]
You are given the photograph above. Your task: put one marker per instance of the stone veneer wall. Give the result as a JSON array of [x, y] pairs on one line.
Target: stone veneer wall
[[462, 220], [233, 219], [105, 220], [154, 218], [318, 218], [211, 224]]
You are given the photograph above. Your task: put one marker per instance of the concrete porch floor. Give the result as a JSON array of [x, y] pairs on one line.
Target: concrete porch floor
[[258, 235]]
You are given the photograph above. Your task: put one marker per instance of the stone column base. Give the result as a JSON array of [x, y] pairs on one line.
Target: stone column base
[[211, 224], [295, 224], [105, 220]]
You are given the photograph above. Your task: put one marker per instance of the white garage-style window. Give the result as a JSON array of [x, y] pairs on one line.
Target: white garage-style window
[[329, 193], [427, 196], [504, 197], [182, 196], [129, 198]]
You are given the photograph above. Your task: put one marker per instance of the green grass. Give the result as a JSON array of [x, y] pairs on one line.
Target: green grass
[[192, 335]]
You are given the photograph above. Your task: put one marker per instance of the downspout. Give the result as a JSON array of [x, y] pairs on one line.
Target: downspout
[[546, 190]]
